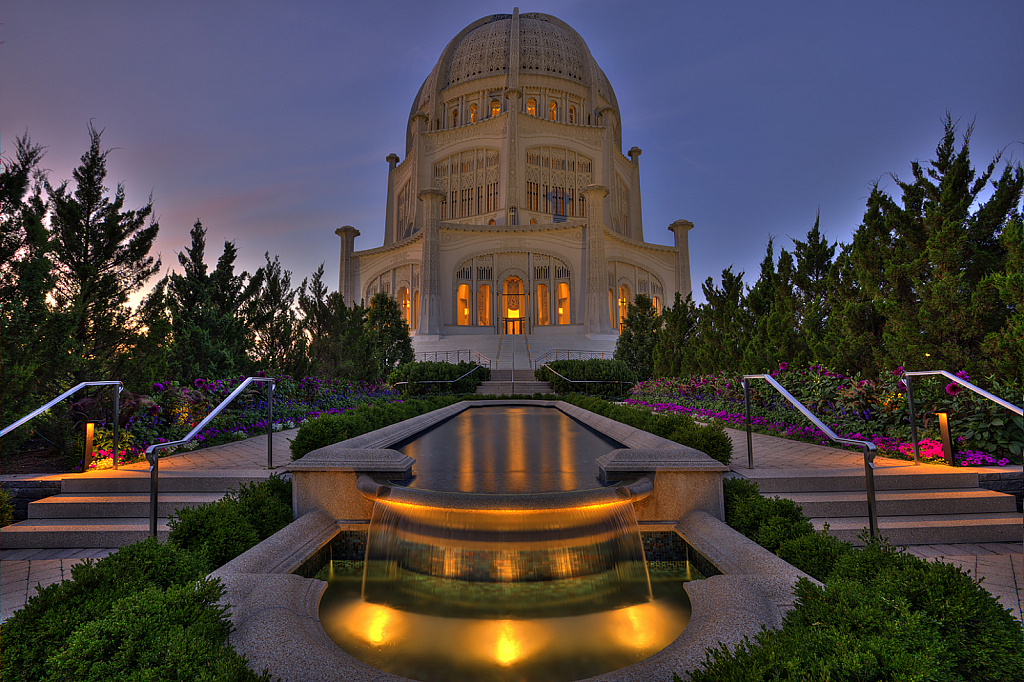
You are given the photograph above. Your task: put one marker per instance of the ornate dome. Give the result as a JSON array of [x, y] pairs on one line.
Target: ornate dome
[[547, 46]]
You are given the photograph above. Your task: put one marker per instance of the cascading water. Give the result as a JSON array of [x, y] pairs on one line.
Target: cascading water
[[522, 563]]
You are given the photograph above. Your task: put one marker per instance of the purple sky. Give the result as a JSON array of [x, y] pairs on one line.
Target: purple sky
[[270, 121]]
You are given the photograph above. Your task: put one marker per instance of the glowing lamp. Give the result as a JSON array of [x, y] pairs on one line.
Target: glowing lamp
[[947, 440], [87, 456]]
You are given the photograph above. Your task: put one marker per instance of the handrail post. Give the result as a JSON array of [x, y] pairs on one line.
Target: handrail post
[[270, 424], [869, 479], [750, 435], [913, 419], [117, 425]]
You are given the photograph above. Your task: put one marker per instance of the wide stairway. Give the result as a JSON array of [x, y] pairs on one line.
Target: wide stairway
[[512, 371], [916, 505]]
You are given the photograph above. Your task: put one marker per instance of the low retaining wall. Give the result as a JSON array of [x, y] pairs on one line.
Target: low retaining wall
[[23, 492]]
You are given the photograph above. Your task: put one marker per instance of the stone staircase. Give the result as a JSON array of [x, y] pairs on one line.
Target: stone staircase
[[112, 510], [502, 383], [915, 505]]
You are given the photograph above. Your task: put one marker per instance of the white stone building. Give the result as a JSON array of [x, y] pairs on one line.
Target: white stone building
[[515, 209]]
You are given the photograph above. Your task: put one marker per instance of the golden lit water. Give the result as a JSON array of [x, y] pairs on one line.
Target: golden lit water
[[441, 648]]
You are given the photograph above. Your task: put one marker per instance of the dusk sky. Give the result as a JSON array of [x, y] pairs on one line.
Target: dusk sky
[[271, 121]]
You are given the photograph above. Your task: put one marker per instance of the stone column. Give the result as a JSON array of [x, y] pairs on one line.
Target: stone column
[[348, 236], [681, 229], [636, 227], [430, 268], [389, 210], [595, 319]]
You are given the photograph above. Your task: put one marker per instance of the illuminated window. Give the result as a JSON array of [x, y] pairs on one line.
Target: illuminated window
[[455, 117], [533, 221], [472, 113], [483, 305], [512, 216], [611, 306], [553, 111], [624, 300], [462, 305], [403, 304], [415, 309], [563, 303], [657, 305], [531, 107], [572, 115], [543, 314], [491, 221], [495, 108]]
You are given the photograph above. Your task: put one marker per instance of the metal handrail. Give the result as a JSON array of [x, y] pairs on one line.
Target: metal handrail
[[472, 355], [568, 353], [867, 447], [154, 461], [441, 381], [586, 381], [952, 377], [70, 392]]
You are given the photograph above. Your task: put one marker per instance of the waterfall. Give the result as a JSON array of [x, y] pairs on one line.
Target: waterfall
[[511, 563]]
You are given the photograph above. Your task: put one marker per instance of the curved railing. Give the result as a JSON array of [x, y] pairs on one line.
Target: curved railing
[[587, 381], [565, 354], [454, 357], [70, 392], [867, 447], [947, 446], [154, 460], [439, 381]]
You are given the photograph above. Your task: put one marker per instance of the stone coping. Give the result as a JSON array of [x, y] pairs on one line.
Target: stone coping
[[276, 622], [642, 451]]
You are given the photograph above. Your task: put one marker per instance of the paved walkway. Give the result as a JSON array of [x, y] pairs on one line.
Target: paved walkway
[[22, 569]]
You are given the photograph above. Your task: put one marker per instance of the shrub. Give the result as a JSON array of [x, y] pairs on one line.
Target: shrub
[[468, 379], [815, 554], [153, 634], [267, 505], [6, 508], [611, 371], [770, 522], [216, 532], [41, 629]]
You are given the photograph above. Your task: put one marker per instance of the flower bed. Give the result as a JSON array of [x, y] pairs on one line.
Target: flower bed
[[861, 409]]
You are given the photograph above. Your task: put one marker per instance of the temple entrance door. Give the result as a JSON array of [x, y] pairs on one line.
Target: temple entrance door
[[513, 306]]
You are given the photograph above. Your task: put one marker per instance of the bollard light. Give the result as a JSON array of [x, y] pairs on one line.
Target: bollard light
[[947, 441], [87, 456]]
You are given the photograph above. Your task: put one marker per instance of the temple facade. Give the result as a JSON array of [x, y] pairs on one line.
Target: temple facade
[[515, 209]]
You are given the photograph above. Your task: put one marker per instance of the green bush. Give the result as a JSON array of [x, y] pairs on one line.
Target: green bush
[[680, 428], [468, 379], [611, 371], [266, 504], [41, 629], [6, 508], [153, 634], [815, 554], [334, 428], [770, 522]]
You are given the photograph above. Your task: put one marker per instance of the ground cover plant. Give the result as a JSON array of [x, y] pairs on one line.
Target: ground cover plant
[[881, 614], [854, 407], [146, 612]]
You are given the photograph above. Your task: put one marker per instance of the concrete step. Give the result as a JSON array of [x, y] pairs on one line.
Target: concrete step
[[82, 532], [127, 481], [519, 387], [931, 530], [835, 505], [777, 482], [124, 505]]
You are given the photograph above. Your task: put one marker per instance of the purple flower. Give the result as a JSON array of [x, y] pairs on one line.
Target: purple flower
[[953, 389], [902, 386], [783, 366], [199, 383], [898, 372], [963, 375]]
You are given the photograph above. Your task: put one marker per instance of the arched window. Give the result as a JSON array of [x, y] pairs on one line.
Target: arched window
[[491, 221], [543, 316], [624, 300], [563, 303], [611, 306], [512, 216], [657, 305], [495, 108], [472, 113], [483, 305], [403, 304], [455, 118], [531, 107], [533, 221], [553, 111], [572, 115], [462, 305]]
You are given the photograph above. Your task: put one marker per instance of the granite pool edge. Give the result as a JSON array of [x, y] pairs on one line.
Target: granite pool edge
[[275, 613]]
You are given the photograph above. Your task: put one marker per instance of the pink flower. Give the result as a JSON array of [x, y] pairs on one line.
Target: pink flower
[[953, 389], [783, 366]]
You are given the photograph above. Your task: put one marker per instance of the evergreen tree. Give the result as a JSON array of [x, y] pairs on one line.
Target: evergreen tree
[[723, 328], [387, 334], [335, 342], [272, 319], [814, 259], [772, 311], [639, 335], [678, 324], [1004, 349], [101, 256]]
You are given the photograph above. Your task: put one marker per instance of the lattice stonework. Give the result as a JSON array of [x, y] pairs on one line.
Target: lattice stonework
[[547, 48], [406, 212], [555, 178], [469, 181], [622, 204], [484, 52]]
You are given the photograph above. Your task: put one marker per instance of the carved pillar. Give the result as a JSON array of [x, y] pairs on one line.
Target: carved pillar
[[636, 213], [595, 319], [348, 236], [430, 299], [389, 209], [681, 229]]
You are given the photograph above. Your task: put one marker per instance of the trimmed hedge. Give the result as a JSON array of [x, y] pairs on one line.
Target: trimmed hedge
[[334, 428], [146, 612], [680, 428], [587, 370], [440, 372], [882, 614]]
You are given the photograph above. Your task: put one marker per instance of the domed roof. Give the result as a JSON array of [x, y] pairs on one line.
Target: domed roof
[[547, 46]]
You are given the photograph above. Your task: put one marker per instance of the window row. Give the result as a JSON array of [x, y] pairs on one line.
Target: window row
[[548, 305]]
